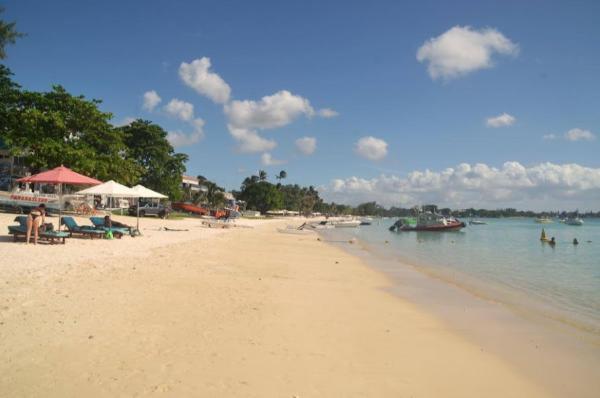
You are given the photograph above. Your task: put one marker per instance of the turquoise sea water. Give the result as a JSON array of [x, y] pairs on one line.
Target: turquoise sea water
[[505, 261]]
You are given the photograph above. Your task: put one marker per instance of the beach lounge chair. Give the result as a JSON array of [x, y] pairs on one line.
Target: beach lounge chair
[[21, 230], [116, 231], [84, 230]]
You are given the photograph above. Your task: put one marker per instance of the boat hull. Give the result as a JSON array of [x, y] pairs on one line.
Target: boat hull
[[190, 208], [574, 222], [455, 226]]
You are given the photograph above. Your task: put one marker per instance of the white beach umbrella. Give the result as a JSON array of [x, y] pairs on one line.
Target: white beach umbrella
[[148, 193], [115, 190], [112, 189]]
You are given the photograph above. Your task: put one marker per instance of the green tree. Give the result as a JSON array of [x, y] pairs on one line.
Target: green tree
[[8, 35], [10, 94], [53, 128], [262, 196], [262, 175], [213, 195], [162, 168], [282, 175]]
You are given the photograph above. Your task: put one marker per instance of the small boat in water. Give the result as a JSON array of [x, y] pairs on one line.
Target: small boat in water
[[543, 220], [427, 222], [366, 221], [574, 221], [347, 223], [477, 222], [325, 224]]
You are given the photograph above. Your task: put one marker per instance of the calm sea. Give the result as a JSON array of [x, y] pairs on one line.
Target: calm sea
[[504, 261]]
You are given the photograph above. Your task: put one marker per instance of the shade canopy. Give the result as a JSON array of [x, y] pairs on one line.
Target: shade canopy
[[110, 188], [60, 175], [148, 193]]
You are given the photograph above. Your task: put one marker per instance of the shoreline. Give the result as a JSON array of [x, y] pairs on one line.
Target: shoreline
[[238, 312], [573, 351]]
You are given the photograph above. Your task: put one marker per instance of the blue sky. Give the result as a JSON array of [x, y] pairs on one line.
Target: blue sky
[[539, 65]]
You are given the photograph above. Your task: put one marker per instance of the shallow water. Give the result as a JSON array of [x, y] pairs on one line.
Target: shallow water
[[505, 261]]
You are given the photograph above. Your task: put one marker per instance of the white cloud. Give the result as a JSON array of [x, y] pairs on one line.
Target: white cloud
[[267, 160], [327, 113], [179, 139], [549, 137], [371, 148], [180, 109], [151, 100], [578, 134], [272, 111], [502, 120], [306, 145], [198, 76], [249, 141], [462, 50], [543, 186]]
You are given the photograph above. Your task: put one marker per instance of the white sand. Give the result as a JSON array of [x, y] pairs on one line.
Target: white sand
[[223, 313]]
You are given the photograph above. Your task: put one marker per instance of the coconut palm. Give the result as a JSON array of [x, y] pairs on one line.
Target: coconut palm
[[282, 174], [262, 175]]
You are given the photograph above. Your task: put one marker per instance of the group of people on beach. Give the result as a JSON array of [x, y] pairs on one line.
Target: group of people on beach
[[36, 222]]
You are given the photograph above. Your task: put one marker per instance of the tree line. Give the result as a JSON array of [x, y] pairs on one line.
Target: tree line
[[47, 129]]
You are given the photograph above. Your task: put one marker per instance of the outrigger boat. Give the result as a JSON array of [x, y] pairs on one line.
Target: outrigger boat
[[427, 222]]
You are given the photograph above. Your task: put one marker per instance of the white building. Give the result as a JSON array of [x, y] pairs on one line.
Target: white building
[[191, 183]]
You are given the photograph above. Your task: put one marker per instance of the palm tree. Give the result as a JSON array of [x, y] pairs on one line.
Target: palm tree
[[282, 174], [262, 175]]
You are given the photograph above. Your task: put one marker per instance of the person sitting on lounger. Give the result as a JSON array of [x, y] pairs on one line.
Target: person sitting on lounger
[[109, 223], [35, 218]]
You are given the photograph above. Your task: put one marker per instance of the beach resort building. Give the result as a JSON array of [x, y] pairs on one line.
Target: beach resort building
[[190, 183]]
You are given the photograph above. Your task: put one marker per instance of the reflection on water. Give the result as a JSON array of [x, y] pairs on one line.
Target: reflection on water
[[507, 253]]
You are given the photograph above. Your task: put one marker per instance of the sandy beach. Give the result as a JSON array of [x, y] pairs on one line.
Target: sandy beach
[[239, 312]]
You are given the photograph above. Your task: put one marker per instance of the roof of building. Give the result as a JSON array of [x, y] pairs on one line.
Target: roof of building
[[190, 178]]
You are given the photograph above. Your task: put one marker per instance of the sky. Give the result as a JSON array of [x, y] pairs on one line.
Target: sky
[[487, 104]]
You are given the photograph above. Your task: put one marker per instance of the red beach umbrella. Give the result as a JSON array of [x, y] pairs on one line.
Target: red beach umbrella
[[60, 175]]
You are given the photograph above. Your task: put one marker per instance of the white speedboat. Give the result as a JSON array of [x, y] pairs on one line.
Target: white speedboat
[[347, 223], [325, 224], [366, 221], [543, 220], [477, 222], [574, 221]]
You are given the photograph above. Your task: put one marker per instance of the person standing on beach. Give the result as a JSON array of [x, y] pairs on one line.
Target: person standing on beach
[[35, 218]]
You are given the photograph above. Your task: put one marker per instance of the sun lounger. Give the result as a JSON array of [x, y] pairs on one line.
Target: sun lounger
[[84, 230], [21, 230], [116, 231]]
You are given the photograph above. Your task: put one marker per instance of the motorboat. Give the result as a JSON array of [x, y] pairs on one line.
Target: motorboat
[[543, 220], [347, 223], [574, 221], [477, 222], [427, 222], [325, 224], [366, 221]]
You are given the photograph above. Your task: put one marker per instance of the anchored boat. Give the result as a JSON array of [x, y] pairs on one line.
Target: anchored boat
[[427, 222], [574, 221]]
